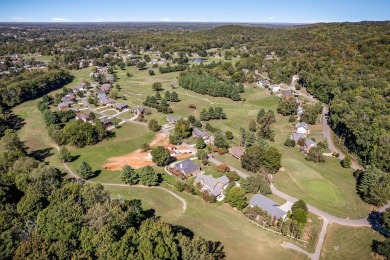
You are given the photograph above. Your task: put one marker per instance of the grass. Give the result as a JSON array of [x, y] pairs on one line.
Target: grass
[[128, 138], [241, 239], [228, 159], [343, 242]]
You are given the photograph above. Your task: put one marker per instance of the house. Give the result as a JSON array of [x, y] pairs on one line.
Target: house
[[308, 145], [140, 111], [263, 83], [296, 136], [267, 205], [236, 152], [106, 87], [106, 122], [82, 116], [172, 120], [77, 89], [85, 84], [106, 101], [299, 111], [187, 167], [274, 88], [302, 128], [197, 133], [110, 78], [120, 106], [64, 105], [214, 186], [286, 94], [198, 60]]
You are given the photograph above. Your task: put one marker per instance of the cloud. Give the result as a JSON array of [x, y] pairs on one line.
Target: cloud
[[271, 17], [20, 19], [166, 19], [59, 19]]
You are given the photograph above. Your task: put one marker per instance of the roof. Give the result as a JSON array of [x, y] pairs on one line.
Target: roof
[[186, 166], [268, 205], [287, 93], [236, 151], [212, 185], [264, 82], [302, 124], [198, 60], [64, 104], [105, 121], [173, 119], [297, 136], [198, 133], [120, 105], [309, 143], [83, 116], [105, 87], [275, 86]]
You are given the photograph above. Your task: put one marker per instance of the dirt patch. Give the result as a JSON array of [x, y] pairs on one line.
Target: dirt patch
[[138, 159]]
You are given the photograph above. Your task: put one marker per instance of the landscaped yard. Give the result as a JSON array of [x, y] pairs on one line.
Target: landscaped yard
[[343, 242], [241, 239]]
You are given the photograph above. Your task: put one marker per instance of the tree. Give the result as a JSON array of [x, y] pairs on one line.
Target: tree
[[64, 155], [252, 158], [200, 144], [223, 168], [129, 175], [85, 171], [252, 126], [382, 247], [167, 95], [256, 184], [157, 86], [161, 156], [346, 162], [315, 155], [300, 204], [236, 198], [219, 140], [249, 139], [289, 142], [151, 72], [201, 155], [233, 176], [158, 95], [229, 135], [182, 129], [300, 216], [148, 177], [153, 125], [174, 97], [145, 147], [141, 65], [147, 58], [374, 186], [204, 116], [287, 107], [272, 160]]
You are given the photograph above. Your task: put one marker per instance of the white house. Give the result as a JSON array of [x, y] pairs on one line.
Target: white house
[[302, 128]]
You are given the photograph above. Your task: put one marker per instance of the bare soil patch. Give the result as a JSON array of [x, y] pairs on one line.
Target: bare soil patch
[[138, 159]]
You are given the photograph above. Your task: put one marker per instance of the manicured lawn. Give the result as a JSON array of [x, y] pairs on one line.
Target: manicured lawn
[[109, 112], [343, 242], [128, 139], [241, 239]]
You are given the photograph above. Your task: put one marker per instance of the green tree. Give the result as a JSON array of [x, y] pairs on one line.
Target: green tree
[[272, 160], [346, 162], [374, 186], [167, 95], [382, 247], [157, 86], [174, 97], [219, 140], [161, 156], [151, 72], [64, 154], [148, 177], [129, 175], [256, 184], [85, 171], [200, 144], [236, 198], [300, 216], [229, 135], [153, 125], [201, 155], [252, 126]]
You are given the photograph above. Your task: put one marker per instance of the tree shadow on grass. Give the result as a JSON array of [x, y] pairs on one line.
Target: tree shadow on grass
[[149, 213], [15, 122], [97, 173], [183, 230], [41, 154]]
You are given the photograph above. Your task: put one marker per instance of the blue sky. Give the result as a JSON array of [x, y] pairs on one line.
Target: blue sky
[[270, 11]]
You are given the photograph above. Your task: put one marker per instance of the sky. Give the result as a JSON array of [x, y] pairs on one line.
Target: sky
[[253, 11]]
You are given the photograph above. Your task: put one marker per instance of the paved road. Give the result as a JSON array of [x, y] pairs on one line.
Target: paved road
[[328, 136]]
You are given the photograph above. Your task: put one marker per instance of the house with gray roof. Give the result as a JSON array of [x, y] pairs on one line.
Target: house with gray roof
[[197, 133], [120, 106], [264, 83], [236, 152], [286, 94], [267, 205], [214, 186], [139, 111], [297, 136], [172, 119], [106, 87], [308, 145], [187, 167], [64, 105], [302, 128]]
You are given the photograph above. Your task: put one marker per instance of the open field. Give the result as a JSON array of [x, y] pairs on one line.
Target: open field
[[241, 239], [326, 186], [128, 138], [343, 242]]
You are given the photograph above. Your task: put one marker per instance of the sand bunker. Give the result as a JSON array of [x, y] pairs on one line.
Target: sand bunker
[[138, 159]]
